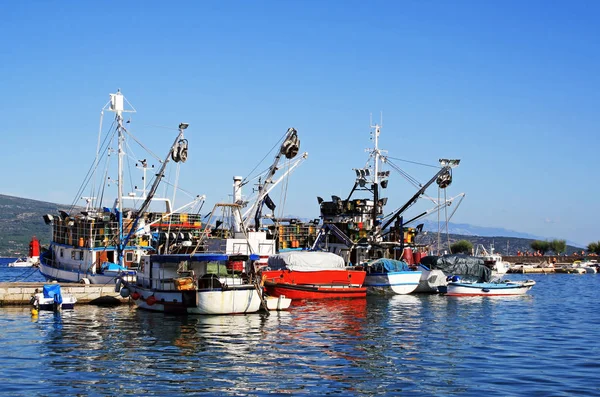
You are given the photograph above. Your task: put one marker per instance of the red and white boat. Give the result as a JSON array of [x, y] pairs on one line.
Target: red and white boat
[[312, 275]]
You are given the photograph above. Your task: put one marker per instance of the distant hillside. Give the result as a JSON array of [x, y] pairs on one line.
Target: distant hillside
[[503, 245], [470, 230], [20, 219]]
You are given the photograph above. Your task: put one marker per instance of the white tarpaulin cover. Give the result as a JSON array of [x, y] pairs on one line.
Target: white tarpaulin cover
[[306, 261]]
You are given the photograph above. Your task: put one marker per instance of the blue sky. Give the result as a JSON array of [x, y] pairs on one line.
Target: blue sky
[[511, 88]]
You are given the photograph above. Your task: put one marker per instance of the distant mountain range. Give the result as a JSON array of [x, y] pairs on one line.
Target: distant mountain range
[[21, 218], [470, 230]]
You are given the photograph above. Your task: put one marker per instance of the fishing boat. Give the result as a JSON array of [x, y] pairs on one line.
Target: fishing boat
[[197, 283], [492, 259], [458, 287], [33, 259], [312, 275], [357, 230], [98, 244], [391, 276], [51, 298]]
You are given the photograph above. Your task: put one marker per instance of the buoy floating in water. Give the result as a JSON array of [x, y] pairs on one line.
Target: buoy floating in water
[[34, 312]]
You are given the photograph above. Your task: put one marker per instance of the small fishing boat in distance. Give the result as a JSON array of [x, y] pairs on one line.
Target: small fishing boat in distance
[[33, 259], [458, 287]]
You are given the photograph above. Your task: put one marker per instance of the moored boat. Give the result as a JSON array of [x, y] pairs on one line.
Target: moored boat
[[492, 259], [430, 280], [391, 276], [357, 230], [51, 298], [98, 244], [33, 259], [457, 287], [199, 283], [312, 275]]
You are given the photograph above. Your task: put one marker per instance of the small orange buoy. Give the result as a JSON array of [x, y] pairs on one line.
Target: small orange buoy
[[151, 300], [135, 296]]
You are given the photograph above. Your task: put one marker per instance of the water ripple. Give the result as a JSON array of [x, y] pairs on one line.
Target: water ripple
[[543, 344]]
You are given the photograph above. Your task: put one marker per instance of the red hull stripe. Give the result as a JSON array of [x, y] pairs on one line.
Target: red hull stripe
[[310, 292]]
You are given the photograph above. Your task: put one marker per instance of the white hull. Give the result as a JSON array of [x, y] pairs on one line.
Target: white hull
[[430, 281], [489, 289], [278, 303], [76, 276], [400, 283], [232, 301], [41, 303], [501, 267], [29, 262]]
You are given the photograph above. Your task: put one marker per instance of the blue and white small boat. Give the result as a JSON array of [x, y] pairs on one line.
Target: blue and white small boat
[[458, 287], [390, 276], [51, 298]]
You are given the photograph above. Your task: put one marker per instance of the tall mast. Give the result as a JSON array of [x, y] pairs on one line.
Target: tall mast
[[117, 102], [375, 152]]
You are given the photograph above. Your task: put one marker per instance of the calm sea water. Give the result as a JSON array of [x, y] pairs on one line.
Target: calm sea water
[[542, 344]]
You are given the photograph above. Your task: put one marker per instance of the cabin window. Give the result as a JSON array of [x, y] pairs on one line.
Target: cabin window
[[129, 257], [72, 254], [80, 255], [61, 252]]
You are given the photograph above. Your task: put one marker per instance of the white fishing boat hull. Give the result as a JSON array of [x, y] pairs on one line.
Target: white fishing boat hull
[[399, 283], [239, 300], [489, 289], [76, 276]]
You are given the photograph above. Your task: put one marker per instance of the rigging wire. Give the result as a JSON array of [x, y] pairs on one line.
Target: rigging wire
[[413, 162], [90, 172], [244, 181], [446, 216], [439, 231], [405, 175], [143, 146]]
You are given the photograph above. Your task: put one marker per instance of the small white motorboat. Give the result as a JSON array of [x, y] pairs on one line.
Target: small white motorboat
[[458, 287], [25, 262], [51, 298], [278, 302], [590, 266]]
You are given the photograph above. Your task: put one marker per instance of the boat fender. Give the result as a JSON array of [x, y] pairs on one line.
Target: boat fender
[[124, 292], [151, 300], [135, 296], [84, 281], [485, 290], [118, 284]]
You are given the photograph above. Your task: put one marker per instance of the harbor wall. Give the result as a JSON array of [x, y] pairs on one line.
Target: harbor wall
[[535, 260], [16, 294]]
